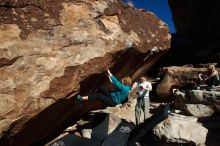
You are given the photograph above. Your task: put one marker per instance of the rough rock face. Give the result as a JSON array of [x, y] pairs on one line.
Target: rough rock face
[[206, 97], [178, 77], [50, 50], [199, 110], [178, 129], [198, 103]]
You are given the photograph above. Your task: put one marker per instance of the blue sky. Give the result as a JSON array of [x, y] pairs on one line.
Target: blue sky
[[158, 7]]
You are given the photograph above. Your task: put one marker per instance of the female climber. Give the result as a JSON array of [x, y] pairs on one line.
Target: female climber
[[111, 98]]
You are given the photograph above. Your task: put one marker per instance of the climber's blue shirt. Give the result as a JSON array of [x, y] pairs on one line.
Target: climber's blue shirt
[[121, 91]]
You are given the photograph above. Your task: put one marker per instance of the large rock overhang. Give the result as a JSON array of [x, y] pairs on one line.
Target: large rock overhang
[[51, 50]]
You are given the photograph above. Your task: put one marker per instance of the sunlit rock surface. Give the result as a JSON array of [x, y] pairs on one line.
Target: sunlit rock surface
[[181, 129]]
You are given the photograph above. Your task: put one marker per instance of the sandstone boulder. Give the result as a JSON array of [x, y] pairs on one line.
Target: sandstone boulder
[[199, 110], [51, 50], [184, 77], [198, 103], [178, 129], [207, 97]]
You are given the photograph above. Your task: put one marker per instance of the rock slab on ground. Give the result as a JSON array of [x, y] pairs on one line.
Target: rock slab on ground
[[181, 129]]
